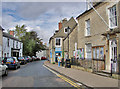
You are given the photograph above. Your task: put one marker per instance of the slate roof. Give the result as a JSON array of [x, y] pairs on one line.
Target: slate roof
[[1, 28], [10, 36], [71, 23], [89, 9]]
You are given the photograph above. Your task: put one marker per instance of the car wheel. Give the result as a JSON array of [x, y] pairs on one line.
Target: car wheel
[[6, 72], [16, 67]]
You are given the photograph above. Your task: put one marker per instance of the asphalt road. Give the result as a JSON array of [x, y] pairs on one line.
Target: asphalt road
[[33, 74]]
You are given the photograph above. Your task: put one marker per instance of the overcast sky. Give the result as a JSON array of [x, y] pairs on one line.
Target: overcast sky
[[42, 17]]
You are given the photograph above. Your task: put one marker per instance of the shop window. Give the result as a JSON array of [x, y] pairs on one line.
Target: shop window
[[81, 53], [98, 53], [88, 48]]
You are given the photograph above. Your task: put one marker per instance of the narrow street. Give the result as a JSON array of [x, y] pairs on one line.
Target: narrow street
[[33, 75]]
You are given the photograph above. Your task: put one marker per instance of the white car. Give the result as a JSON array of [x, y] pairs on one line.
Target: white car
[[3, 69]]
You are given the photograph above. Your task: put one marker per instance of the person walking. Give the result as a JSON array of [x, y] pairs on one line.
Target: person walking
[[59, 60]]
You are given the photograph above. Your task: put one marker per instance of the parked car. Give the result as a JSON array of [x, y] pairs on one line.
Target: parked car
[[11, 62], [28, 58], [34, 58], [22, 60], [37, 58], [43, 58], [3, 68]]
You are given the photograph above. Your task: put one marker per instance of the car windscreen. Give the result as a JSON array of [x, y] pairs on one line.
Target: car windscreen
[[20, 57], [9, 59]]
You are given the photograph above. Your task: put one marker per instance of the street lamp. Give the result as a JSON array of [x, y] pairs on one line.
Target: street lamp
[[68, 31]]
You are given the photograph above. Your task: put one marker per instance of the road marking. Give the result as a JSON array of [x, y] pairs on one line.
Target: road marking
[[64, 78]]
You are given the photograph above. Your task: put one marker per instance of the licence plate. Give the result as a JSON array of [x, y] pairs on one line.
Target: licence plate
[[8, 62]]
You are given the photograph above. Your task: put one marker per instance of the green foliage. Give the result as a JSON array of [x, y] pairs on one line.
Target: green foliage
[[20, 31], [53, 62], [31, 42]]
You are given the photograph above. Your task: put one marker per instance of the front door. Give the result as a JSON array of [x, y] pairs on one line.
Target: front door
[[113, 55]]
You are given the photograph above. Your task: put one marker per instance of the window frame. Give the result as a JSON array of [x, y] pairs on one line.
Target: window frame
[[65, 29], [8, 42], [87, 27], [86, 52], [115, 17], [99, 47], [60, 42]]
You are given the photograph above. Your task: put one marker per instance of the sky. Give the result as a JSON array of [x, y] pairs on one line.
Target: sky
[[42, 17]]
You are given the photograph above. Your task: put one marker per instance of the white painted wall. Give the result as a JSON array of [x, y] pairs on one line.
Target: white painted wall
[[42, 53], [7, 49]]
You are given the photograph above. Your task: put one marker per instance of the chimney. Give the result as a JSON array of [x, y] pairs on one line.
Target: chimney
[[60, 25], [11, 33], [64, 20]]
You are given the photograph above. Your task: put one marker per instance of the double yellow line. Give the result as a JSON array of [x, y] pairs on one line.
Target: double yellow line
[[65, 79], [69, 81]]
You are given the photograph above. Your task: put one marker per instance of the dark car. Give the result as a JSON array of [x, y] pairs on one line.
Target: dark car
[[22, 60], [37, 58], [43, 58], [34, 58], [26, 58], [11, 62]]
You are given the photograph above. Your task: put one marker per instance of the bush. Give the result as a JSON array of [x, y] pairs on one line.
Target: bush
[[53, 62]]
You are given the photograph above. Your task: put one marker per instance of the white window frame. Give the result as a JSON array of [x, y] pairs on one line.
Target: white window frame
[[60, 42], [86, 51], [87, 27], [112, 27], [64, 31]]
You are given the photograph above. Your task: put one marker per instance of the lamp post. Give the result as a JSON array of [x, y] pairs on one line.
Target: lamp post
[[68, 31]]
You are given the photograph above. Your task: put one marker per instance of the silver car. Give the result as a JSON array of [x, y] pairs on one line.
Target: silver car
[[3, 68]]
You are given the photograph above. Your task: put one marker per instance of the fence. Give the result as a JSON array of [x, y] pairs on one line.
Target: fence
[[94, 64], [86, 63]]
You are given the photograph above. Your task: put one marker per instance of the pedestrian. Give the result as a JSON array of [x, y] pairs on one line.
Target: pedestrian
[[66, 57], [59, 60], [5, 59], [77, 57]]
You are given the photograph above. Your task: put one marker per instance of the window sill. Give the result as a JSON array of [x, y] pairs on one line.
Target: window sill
[[88, 36]]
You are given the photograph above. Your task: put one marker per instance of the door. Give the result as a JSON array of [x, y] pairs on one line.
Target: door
[[56, 55], [113, 55]]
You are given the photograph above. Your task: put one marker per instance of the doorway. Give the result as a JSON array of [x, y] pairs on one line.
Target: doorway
[[113, 55]]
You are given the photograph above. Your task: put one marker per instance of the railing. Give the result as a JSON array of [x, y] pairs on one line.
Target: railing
[[86, 63], [94, 64]]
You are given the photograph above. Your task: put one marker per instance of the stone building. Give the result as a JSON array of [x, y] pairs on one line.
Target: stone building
[[56, 41], [99, 38], [70, 42]]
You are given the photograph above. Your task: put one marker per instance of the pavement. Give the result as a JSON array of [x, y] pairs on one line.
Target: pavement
[[89, 79]]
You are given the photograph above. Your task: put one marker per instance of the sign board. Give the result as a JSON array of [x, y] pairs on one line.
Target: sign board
[[0, 51], [57, 49]]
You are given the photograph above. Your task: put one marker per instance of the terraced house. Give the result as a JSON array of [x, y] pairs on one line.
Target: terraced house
[[99, 36], [12, 47], [56, 41]]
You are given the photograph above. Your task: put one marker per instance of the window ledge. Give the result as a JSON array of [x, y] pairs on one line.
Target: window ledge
[[87, 36]]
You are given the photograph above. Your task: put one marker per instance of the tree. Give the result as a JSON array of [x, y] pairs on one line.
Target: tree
[[31, 43], [20, 31]]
